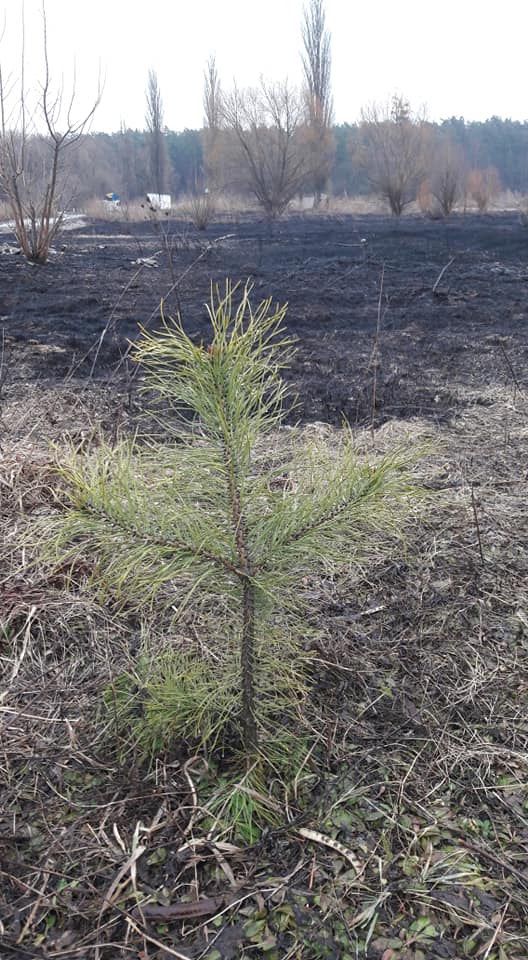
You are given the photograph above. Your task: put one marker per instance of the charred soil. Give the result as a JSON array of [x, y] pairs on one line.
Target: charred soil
[[407, 839], [73, 318]]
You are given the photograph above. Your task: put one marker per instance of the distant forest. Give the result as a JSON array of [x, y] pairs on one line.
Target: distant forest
[[120, 161]]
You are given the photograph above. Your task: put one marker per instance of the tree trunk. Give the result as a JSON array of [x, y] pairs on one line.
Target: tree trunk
[[247, 658]]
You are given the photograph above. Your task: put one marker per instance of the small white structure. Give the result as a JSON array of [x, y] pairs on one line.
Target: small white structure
[[159, 201], [111, 201]]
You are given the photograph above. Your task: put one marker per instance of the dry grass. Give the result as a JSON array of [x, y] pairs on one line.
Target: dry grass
[[190, 207], [421, 665], [363, 205], [339, 206], [212, 207], [226, 207]]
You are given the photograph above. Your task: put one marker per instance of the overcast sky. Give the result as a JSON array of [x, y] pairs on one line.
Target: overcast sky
[[459, 57]]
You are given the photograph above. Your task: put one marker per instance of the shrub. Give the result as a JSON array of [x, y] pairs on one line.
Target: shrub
[[394, 151], [200, 208], [447, 176], [483, 186]]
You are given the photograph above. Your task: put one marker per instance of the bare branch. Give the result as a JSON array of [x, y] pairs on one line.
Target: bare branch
[[32, 154]]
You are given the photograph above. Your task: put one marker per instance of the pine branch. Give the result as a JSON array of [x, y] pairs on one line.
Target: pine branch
[[193, 551], [329, 518]]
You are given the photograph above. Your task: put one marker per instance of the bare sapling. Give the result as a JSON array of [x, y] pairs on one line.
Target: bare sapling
[[394, 151], [35, 141]]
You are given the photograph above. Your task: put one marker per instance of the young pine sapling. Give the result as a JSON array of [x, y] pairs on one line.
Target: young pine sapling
[[229, 507]]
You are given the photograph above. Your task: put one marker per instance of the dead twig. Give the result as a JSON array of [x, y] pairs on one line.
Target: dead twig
[[512, 371], [34, 910], [26, 630], [477, 525], [441, 274], [166, 950], [183, 910], [498, 930], [99, 342]]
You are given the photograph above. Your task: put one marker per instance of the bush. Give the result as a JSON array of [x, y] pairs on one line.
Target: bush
[[483, 186], [394, 151], [200, 208]]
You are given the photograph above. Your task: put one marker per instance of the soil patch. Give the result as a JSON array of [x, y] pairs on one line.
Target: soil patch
[[74, 317]]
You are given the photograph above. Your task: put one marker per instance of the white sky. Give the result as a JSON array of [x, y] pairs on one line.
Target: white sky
[[459, 57]]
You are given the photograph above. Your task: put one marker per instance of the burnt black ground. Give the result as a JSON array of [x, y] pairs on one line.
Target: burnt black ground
[[471, 332], [423, 654]]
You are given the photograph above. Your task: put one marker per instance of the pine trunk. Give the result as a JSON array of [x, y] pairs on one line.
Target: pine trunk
[[249, 723]]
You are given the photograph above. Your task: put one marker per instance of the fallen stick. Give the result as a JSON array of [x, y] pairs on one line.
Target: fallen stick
[[441, 274]]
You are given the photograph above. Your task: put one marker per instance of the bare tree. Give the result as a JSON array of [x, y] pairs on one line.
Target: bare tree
[[212, 134], [212, 95], [317, 61], [265, 122], [394, 151], [483, 185], [155, 127], [448, 175], [445, 185], [35, 140]]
